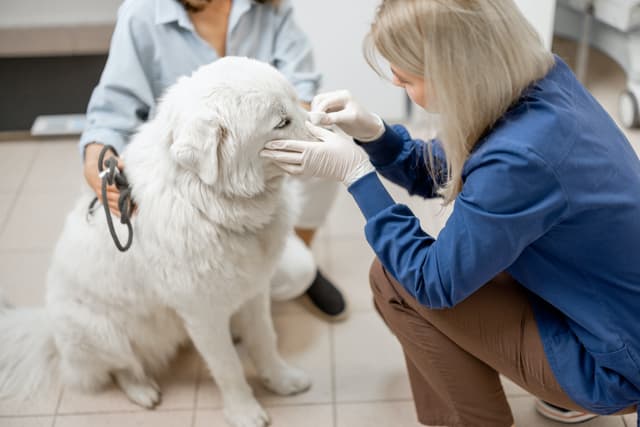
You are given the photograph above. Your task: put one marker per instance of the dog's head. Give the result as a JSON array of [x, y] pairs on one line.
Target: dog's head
[[222, 116]]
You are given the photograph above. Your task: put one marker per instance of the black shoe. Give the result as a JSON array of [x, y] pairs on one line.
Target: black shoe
[[326, 298]]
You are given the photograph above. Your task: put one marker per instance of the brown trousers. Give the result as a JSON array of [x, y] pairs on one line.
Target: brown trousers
[[454, 356]]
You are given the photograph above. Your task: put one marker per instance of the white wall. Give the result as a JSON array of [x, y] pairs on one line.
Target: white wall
[[541, 14], [336, 29]]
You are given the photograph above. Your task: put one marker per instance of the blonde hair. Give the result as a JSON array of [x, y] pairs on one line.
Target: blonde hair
[[477, 57]]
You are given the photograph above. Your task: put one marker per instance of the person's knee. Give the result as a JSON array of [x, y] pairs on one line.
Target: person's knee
[[295, 272], [378, 279], [384, 295]]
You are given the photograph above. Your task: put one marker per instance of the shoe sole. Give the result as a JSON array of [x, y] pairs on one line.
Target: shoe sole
[[563, 418]]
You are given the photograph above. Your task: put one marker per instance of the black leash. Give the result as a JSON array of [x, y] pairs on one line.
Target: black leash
[[113, 176]]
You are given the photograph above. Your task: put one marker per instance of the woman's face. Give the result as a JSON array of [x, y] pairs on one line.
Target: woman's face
[[414, 85]]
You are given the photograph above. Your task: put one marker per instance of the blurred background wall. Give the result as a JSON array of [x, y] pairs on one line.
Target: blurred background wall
[[52, 52]]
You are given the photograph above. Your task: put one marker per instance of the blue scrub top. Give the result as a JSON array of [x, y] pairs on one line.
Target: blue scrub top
[[154, 43], [552, 196]]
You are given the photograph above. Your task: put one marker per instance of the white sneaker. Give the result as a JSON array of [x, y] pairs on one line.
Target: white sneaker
[[561, 415]]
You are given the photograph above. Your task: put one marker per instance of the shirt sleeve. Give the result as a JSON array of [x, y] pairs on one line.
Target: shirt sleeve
[[122, 99], [406, 161], [508, 201], [293, 55]]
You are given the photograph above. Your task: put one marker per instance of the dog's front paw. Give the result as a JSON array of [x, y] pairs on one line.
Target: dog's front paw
[[246, 415], [287, 380]]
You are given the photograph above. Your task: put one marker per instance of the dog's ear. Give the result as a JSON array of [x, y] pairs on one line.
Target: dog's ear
[[196, 146]]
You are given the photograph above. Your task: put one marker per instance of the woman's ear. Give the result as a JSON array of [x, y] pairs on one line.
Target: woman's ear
[[196, 146]]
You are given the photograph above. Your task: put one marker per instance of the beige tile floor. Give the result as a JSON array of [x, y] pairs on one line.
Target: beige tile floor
[[357, 367]]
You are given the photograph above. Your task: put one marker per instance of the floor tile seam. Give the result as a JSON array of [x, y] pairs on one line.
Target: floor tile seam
[[204, 408], [18, 192], [196, 391], [161, 410], [58, 403], [334, 411], [182, 407], [19, 250], [268, 405], [50, 192], [122, 412], [271, 405], [26, 248], [369, 401], [19, 416]]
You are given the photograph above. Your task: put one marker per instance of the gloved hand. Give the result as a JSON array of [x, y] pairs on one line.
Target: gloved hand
[[339, 108], [335, 156]]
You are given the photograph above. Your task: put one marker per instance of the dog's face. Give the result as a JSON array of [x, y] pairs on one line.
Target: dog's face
[[222, 116]]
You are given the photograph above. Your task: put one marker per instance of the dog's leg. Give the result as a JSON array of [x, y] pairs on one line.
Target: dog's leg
[[209, 330], [260, 338], [91, 356], [143, 391]]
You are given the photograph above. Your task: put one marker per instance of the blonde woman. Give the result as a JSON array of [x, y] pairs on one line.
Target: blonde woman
[[157, 41], [535, 275]]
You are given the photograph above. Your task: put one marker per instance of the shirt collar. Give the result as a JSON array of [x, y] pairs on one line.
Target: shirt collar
[[173, 11], [168, 11]]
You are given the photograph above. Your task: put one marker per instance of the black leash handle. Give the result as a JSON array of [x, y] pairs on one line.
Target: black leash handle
[[113, 176]]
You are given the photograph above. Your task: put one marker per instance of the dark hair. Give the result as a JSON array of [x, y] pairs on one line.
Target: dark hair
[[198, 5]]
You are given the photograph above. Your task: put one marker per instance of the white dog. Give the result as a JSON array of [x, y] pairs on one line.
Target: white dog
[[211, 221]]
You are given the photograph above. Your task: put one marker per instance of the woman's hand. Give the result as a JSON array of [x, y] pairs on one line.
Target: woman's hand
[[91, 154], [339, 108], [335, 156]]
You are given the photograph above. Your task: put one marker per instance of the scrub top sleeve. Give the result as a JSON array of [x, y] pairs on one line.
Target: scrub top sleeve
[[293, 56], [122, 99], [509, 200], [405, 161]]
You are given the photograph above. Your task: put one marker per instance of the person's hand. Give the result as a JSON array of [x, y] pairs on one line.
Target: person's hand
[[339, 108], [91, 154], [335, 156]]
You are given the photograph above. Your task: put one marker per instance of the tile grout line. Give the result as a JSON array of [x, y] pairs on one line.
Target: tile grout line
[[116, 411], [329, 259], [197, 391], [377, 401], [55, 413], [269, 405], [334, 408], [16, 195]]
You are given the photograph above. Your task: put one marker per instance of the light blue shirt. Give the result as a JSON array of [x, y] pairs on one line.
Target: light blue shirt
[[155, 42]]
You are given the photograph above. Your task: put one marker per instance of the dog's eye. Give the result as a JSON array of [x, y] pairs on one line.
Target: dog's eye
[[283, 123]]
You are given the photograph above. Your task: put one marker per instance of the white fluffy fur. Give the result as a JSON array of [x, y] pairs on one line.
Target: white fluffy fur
[[211, 223]]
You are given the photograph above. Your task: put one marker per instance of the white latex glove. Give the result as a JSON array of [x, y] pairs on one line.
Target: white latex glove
[[335, 156], [339, 108]]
